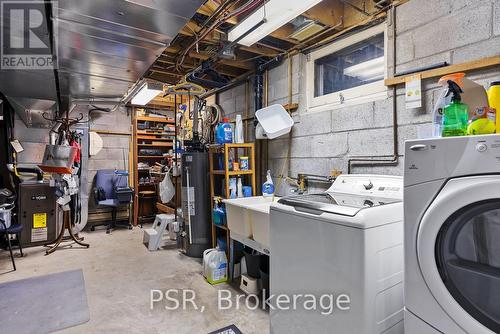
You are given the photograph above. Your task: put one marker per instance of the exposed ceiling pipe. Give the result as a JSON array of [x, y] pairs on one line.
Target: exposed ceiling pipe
[[245, 8]]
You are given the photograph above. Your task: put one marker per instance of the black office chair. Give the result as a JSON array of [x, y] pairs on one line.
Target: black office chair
[[7, 199]]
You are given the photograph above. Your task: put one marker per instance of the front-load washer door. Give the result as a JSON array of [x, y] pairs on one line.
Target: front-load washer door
[[458, 251]]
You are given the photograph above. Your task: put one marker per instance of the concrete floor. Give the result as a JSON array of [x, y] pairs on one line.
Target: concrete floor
[[119, 275]]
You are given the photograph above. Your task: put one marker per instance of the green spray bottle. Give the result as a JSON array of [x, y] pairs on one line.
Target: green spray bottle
[[455, 114]]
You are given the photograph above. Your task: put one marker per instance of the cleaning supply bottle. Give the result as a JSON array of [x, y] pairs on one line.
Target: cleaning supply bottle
[[494, 101], [224, 132], [218, 213], [437, 113], [233, 193], [268, 186], [455, 114], [238, 130], [240, 188]]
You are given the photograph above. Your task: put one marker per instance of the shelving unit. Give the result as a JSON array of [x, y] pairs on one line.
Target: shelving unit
[[218, 175], [159, 139]]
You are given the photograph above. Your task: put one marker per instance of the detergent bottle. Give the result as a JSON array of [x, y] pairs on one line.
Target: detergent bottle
[[215, 266], [494, 101], [455, 114], [268, 186], [224, 132]]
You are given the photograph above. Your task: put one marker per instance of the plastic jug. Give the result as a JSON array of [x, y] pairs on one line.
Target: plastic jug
[[494, 101], [215, 266], [224, 132]]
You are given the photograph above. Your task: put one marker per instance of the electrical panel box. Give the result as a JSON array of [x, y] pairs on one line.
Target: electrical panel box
[[38, 213]]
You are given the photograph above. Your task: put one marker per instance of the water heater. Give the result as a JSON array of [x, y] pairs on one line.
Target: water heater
[[196, 234]]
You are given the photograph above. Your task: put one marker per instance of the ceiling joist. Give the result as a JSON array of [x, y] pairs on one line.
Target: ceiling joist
[[335, 15]]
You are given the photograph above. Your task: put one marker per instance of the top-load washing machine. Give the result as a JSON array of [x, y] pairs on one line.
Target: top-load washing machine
[[452, 235], [346, 241]]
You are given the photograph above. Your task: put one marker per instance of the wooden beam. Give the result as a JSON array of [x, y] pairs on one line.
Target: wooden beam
[[163, 78], [260, 50], [229, 62], [327, 12], [221, 69], [352, 16], [438, 72], [166, 72]]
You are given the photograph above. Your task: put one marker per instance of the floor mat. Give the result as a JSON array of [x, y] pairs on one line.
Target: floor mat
[[44, 304], [227, 330]]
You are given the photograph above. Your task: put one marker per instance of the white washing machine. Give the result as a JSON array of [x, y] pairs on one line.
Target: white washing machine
[[348, 240], [452, 235]]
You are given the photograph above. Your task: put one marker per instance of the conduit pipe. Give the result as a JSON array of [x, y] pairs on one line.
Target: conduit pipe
[[377, 160]]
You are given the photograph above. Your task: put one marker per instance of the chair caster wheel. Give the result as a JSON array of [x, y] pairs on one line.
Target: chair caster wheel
[[130, 227], [108, 231], [92, 228]]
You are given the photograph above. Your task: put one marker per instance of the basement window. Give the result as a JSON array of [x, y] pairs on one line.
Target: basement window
[[349, 71]]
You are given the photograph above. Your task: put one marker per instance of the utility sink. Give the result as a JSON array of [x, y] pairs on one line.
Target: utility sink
[[249, 217]]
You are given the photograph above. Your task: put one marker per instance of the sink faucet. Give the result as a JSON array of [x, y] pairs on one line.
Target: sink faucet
[[301, 182]]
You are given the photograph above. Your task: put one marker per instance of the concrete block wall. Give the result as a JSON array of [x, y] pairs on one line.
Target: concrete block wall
[[114, 154], [427, 32]]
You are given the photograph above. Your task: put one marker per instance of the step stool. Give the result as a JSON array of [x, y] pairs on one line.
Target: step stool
[[153, 236]]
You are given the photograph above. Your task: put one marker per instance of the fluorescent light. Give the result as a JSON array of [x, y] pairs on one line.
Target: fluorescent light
[[275, 12], [367, 69], [147, 92]]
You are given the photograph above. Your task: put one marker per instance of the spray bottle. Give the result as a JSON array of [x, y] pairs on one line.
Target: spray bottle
[[268, 186], [455, 114]]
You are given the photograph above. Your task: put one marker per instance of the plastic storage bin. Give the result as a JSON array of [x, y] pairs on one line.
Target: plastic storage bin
[[275, 120]]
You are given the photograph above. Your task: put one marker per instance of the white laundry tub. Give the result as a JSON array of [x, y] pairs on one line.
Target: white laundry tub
[[240, 214], [259, 216]]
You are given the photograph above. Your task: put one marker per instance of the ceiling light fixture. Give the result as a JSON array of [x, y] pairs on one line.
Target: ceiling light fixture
[[275, 13], [147, 91], [367, 69]]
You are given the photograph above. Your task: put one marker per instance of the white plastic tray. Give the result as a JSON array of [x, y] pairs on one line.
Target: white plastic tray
[[275, 120]]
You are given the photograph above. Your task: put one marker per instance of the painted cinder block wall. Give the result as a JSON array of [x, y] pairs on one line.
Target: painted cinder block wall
[[115, 147], [427, 32]]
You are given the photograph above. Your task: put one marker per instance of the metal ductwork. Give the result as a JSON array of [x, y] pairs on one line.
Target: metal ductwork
[[31, 111], [102, 48]]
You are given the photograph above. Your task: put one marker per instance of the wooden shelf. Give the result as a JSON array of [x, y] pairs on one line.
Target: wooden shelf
[[222, 227], [149, 133], [160, 136], [155, 119], [232, 145], [233, 172], [152, 138], [438, 72], [227, 150], [157, 145]]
